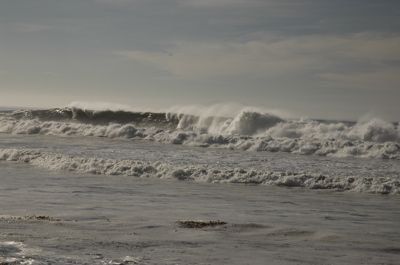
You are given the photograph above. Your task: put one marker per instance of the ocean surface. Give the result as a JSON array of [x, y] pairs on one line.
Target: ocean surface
[[313, 185]]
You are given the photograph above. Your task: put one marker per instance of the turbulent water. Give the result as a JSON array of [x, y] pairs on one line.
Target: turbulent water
[[110, 186], [251, 147]]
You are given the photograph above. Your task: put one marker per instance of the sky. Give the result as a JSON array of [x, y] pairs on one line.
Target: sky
[[313, 58]]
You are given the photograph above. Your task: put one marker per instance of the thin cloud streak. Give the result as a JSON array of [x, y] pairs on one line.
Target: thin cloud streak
[[382, 80], [328, 57]]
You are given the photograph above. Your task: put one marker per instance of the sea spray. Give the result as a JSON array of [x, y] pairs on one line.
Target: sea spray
[[248, 130]]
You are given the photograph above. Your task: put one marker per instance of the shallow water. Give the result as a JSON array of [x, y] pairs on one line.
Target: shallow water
[[95, 200], [128, 220], [142, 150], [159, 160]]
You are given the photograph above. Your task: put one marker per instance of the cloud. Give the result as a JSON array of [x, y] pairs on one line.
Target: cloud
[[371, 45], [50, 73], [118, 2], [59, 24], [213, 3], [328, 57], [242, 3], [199, 60], [24, 27], [384, 80]]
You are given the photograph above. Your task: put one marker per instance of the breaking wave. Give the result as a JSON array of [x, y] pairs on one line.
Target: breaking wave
[[202, 173], [248, 129]]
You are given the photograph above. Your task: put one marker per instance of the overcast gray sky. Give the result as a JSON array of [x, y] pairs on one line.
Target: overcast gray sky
[[321, 59]]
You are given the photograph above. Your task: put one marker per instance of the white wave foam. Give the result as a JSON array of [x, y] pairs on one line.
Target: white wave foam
[[224, 118], [228, 110], [372, 131], [252, 131], [106, 106], [381, 185], [98, 106], [377, 130], [15, 253], [250, 123]]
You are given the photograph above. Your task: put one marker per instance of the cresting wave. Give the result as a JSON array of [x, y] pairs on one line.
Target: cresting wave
[[201, 173], [248, 130]]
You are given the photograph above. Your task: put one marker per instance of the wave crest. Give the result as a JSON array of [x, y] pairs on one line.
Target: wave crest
[[248, 130], [251, 123], [380, 185]]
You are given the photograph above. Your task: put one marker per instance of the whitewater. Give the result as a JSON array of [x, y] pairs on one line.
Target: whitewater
[[324, 155], [263, 172]]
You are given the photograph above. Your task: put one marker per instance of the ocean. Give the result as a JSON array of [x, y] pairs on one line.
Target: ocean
[[103, 186]]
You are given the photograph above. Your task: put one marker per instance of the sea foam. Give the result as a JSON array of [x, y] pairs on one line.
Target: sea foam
[[202, 173], [248, 130]]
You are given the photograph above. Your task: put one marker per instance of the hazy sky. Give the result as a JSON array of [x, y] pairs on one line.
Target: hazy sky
[[321, 59]]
